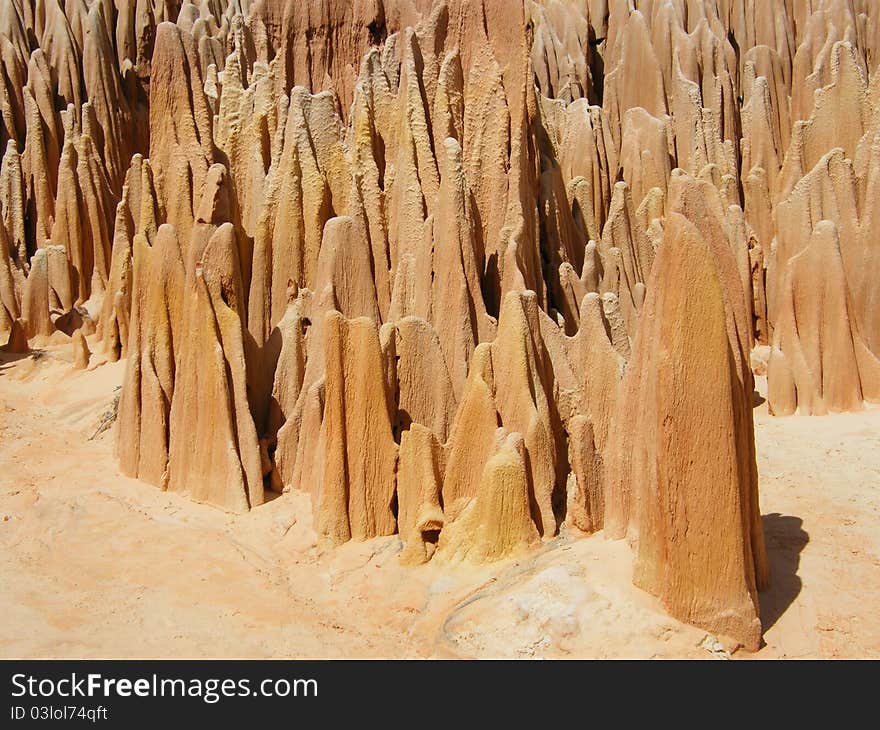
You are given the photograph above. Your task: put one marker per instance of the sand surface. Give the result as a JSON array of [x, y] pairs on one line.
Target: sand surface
[[93, 564]]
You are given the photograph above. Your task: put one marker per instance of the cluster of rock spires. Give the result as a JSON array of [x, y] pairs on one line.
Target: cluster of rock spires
[[465, 271]]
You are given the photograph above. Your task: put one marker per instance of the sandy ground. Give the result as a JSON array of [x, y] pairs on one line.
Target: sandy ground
[[93, 564]]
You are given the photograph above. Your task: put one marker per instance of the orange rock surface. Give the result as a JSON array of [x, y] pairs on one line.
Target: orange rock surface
[[473, 271]]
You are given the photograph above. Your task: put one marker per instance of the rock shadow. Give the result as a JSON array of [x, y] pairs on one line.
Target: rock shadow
[[785, 539], [8, 358]]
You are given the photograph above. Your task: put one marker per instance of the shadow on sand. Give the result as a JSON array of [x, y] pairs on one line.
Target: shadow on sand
[[785, 539], [8, 358]]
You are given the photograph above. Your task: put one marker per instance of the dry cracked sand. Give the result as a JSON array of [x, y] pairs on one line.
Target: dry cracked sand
[[94, 564]]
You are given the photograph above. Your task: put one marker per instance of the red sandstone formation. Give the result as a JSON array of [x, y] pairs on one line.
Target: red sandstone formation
[[465, 271]]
